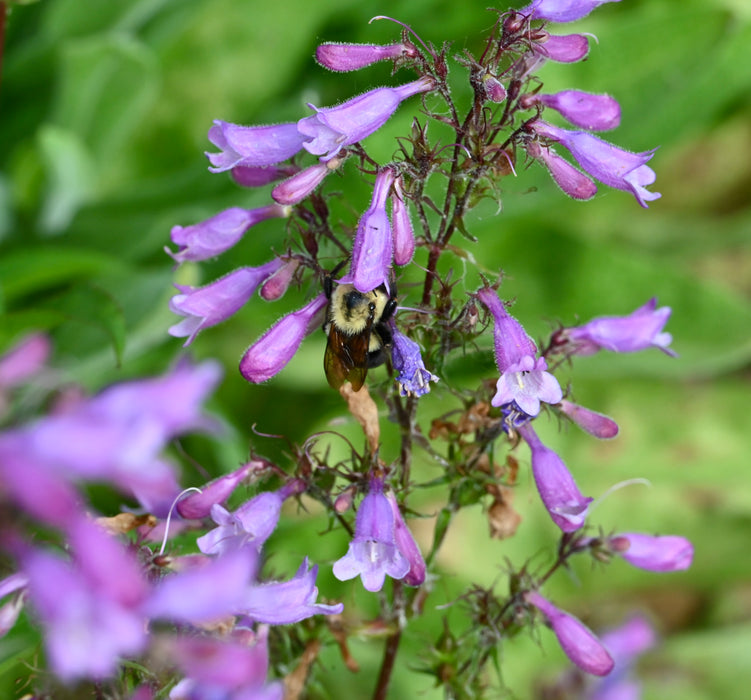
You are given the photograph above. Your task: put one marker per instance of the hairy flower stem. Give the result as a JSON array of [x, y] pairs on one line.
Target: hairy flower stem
[[392, 644]]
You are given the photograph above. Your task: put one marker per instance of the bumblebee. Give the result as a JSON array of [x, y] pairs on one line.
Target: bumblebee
[[357, 327]]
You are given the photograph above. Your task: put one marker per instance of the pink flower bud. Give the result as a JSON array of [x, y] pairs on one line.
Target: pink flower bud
[[583, 109], [594, 423], [573, 182], [277, 284], [570, 48], [404, 234], [657, 553], [348, 57], [302, 184]]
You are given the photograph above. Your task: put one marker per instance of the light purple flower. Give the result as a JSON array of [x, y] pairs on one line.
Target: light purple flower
[[594, 423], [250, 525], [332, 128], [413, 378], [607, 163], [219, 233], [640, 330], [577, 641], [573, 182], [407, 546], [373, 553], [287, 602], [524, 379], [24, 360], [271, 353], [373, 247], [198, 505], [213, 303], [561, 10], [654, 553], [570, 48], [558, 490], [301, 184], [252, 146], [404, 234], [205, 593], [583, 109], [349, 57]]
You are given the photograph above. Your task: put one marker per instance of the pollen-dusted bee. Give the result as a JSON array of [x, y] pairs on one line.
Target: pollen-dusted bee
[[357, 327]]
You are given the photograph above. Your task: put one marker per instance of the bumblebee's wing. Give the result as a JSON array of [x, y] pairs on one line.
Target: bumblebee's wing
[[346, 358]]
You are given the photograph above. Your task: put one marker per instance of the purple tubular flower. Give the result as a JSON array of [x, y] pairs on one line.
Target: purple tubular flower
[[198, 505], [348, 57], [577, 641], [206, 593], [271, 353], [404, 234], [570, 48], [413, 378], [573, 182], [654, 553], [583, 109], [24, 360], [219, 233], [640, 330], [287, 602], [332, 128], [373, 552], [373, 246], [407, 546], [558, 490], [250, 525], [252, 146], [301, 184], [561, 10], [607, 163], [277, 284], [206, 306], [524, 379], [258, 176], [596, 424]]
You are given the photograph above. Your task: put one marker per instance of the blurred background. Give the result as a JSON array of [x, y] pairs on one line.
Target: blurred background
[[104, 109]]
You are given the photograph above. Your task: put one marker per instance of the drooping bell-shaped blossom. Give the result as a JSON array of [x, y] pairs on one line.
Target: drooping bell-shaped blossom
[[658, 553], [412, 376], [332, 128], [403, 232], [407, 546], [524, 378], [258, 176], [271, 353], [24, 360], [231, 668], [218, 234], [342, 57], [287, 602], [561, 10], [205, 593], [594, 423], [248, 526], [578, 642], [569, 48], [373, 552], [373, 247], [557, 488], [198, 504], [605, 162], [296, 188], [582, 109], [639, 330], [252, 146], [278, 283], [573, 182], [213, 303]]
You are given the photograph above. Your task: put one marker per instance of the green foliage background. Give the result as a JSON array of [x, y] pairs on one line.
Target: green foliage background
[[104, 108]]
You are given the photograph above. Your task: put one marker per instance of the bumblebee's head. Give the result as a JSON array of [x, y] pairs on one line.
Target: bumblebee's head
[[352, 311]]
